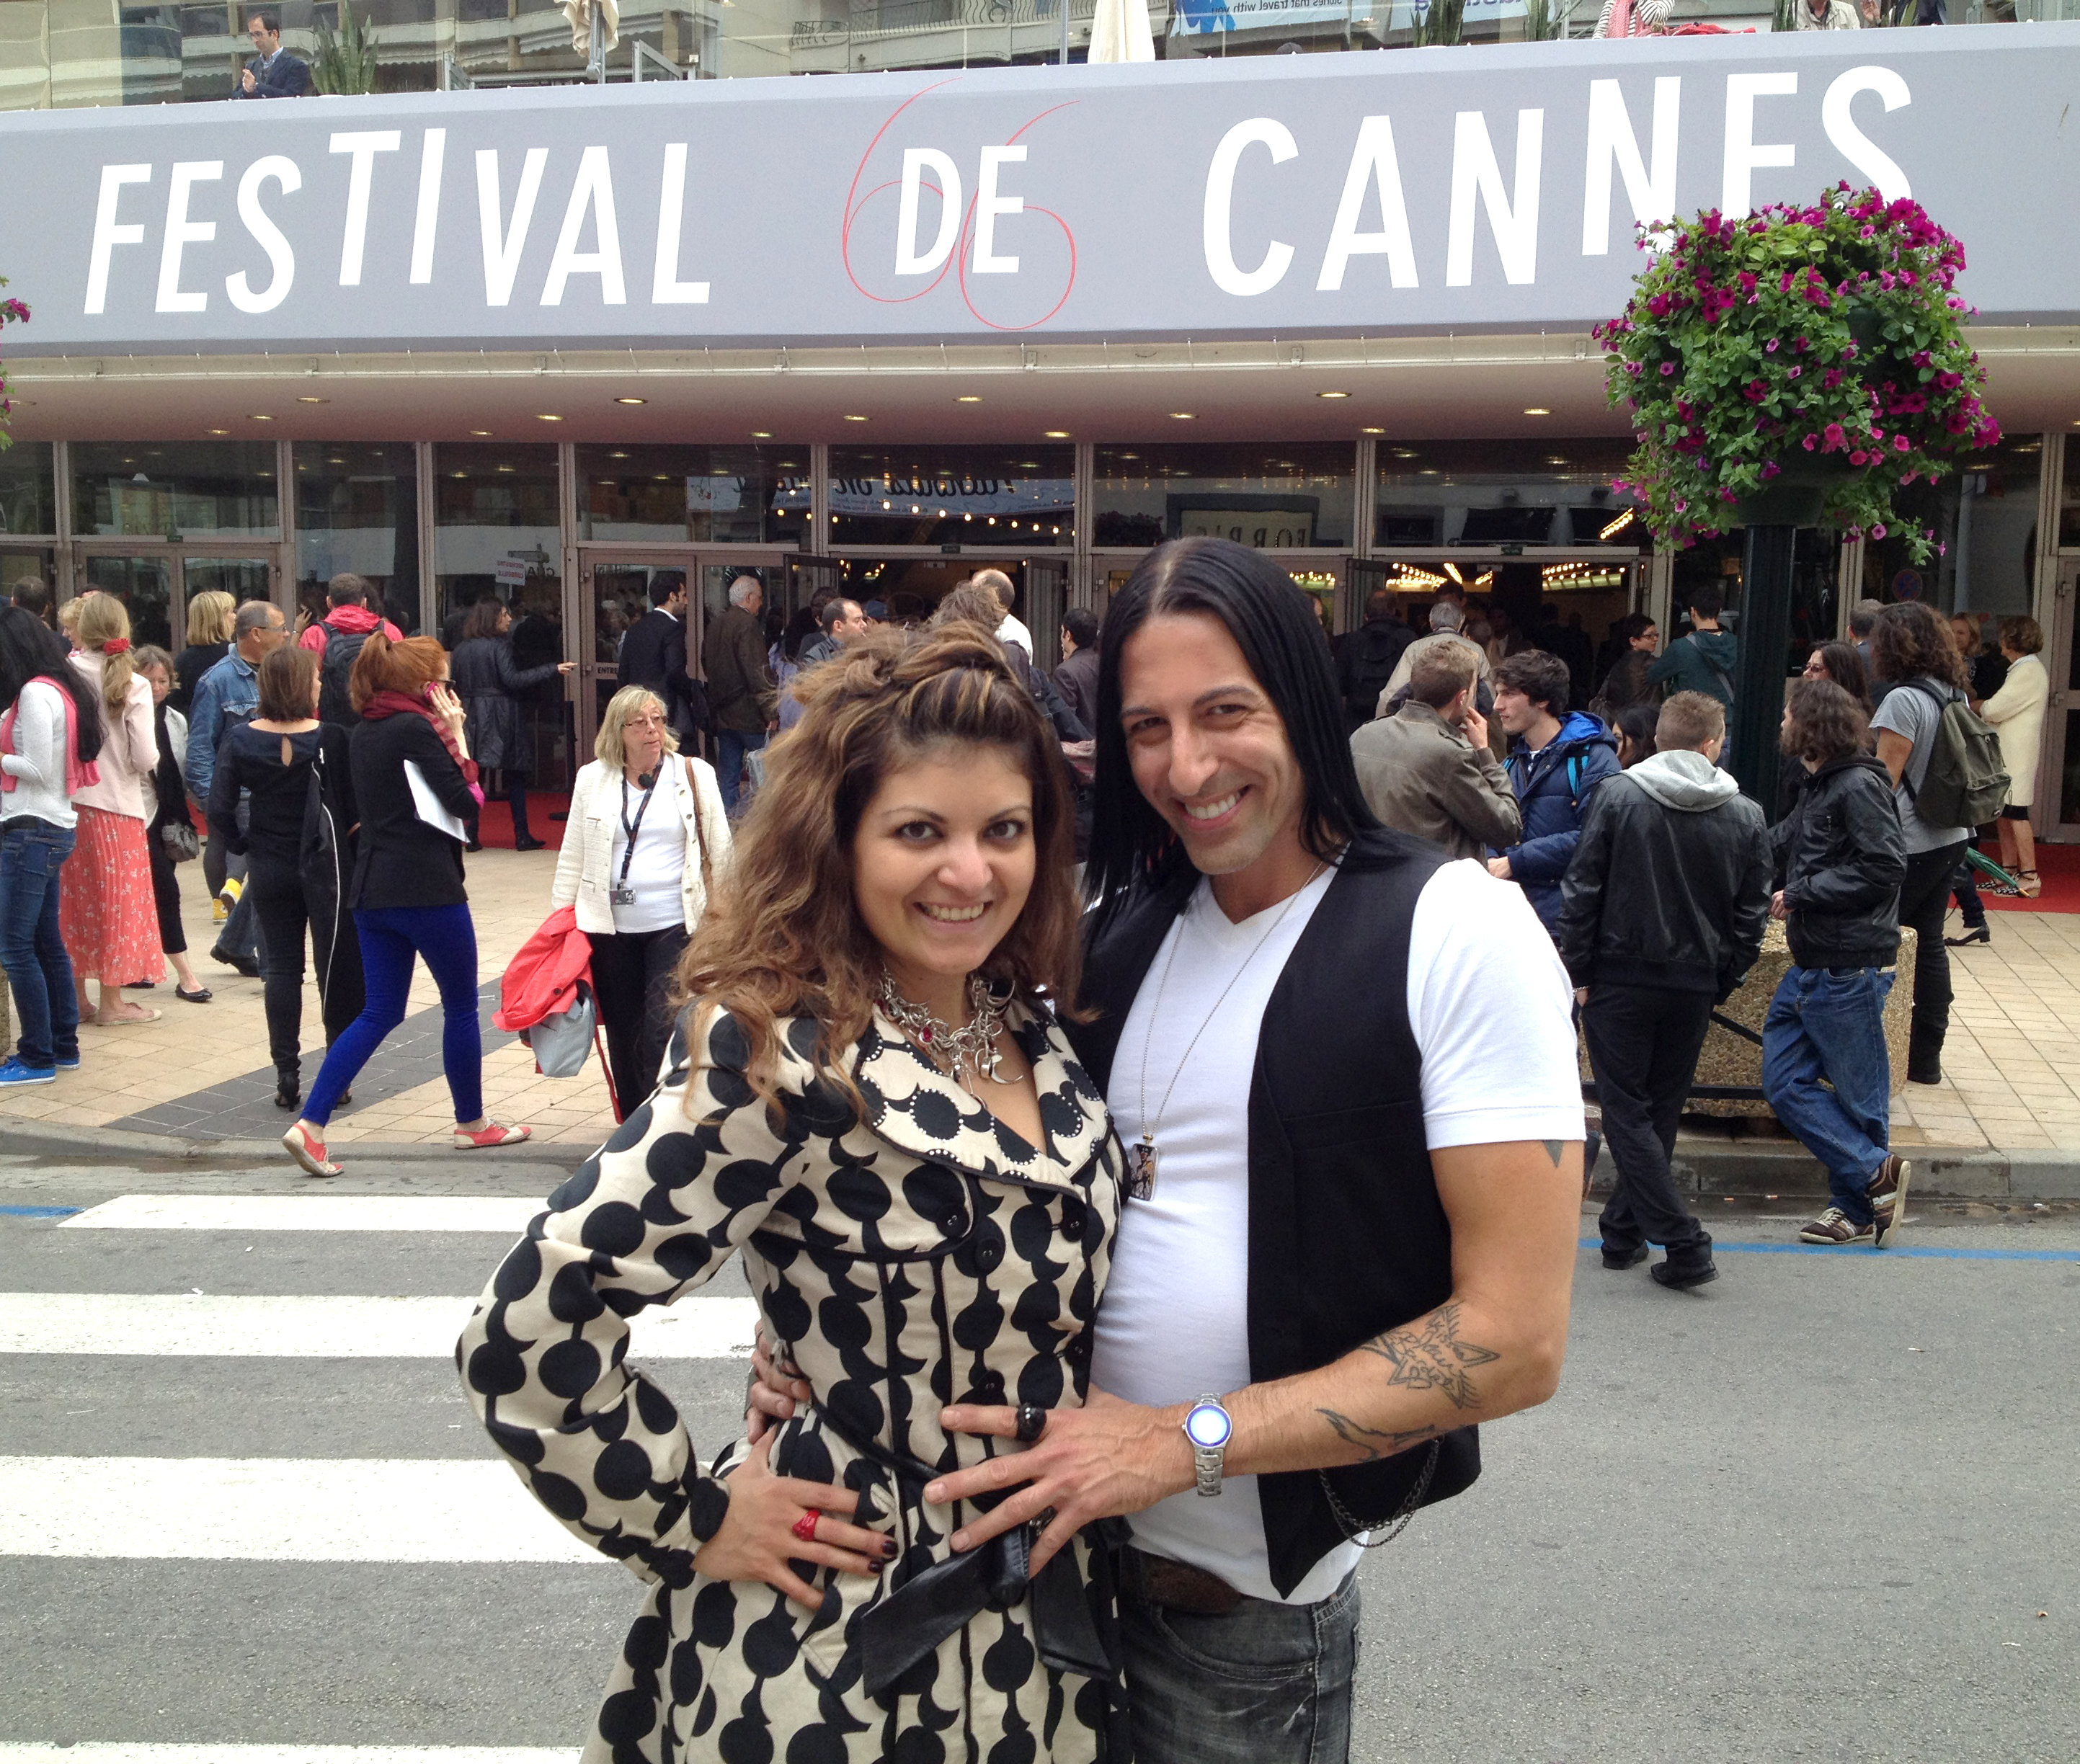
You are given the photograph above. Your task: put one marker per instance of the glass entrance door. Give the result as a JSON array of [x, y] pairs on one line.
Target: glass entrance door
[[156, 583], [614, 595], [2057, 812]]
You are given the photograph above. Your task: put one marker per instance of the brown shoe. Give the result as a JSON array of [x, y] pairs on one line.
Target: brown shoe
[[1832, 1226], [1888, 1196]]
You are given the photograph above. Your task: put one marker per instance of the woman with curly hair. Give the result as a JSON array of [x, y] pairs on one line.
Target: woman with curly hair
[[870, 1099], [1912, 652], [109, 911]]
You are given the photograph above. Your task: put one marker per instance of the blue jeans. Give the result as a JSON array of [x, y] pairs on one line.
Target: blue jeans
[[730, 747], [31, 855], [1266, 1684], [390, 938], [1828, 1024]]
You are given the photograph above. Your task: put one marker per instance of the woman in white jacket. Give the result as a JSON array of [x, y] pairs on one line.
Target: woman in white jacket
[[646, 841], [2017, 711], [109, 914]]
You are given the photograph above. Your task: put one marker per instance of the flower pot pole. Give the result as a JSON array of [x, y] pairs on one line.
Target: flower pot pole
[[1758, 676]]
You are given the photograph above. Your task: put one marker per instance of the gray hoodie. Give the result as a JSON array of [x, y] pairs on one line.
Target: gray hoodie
[[1684, 778]]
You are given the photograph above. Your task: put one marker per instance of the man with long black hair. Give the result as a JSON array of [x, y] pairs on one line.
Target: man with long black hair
[[1346, 1242]]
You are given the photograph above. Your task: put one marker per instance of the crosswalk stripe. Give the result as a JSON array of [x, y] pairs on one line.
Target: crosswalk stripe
[[505, 1215], [128, 1752], [308, 1326], [277, 1510]]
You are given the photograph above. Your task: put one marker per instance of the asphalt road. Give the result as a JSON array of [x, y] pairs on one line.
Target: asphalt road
[[1822, 1510]]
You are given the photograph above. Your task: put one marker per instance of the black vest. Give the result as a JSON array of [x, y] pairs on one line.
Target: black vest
[[1347, 1236]]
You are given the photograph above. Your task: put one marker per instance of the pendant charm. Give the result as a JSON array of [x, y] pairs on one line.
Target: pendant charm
[[1141, 1170]]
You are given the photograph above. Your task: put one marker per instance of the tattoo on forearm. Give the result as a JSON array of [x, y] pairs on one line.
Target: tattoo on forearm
[[1429, 1356], [1371, 1441], [1554, 1148]]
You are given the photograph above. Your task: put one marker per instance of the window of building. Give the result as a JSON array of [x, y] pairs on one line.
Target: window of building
[[175, 489], [1008, 498], [705, 495], [1275, 496], [496, 531], [31, 572], [1551, 490], [357, 509], [1983, 516], [28, 489]]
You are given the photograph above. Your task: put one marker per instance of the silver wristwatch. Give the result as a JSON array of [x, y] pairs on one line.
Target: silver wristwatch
[[1210, 1427]]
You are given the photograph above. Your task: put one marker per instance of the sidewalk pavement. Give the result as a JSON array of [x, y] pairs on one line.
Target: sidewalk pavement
[[2005, 1122]]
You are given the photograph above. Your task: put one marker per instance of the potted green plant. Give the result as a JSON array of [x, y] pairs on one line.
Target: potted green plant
[[1796, 367], [11, 312]]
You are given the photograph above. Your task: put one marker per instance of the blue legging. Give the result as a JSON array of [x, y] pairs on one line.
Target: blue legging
[[390, 938]]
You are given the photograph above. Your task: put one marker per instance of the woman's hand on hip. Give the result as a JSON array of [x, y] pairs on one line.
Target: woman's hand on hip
[[776, 1386], [758, 1541]]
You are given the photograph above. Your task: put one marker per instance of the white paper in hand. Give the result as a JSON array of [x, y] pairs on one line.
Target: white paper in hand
[[429, 807]]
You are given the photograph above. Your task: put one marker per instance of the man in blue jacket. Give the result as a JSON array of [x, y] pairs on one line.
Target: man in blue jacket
[[273, 72], [1557, 758]]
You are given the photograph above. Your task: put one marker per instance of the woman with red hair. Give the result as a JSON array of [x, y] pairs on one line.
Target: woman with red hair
[[415, 786]]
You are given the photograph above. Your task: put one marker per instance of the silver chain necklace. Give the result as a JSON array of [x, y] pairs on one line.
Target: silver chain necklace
[[972, 1047], [1142, 1158]]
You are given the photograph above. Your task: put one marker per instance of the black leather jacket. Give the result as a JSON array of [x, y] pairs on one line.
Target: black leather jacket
[[1840, 858], [1665, 896]]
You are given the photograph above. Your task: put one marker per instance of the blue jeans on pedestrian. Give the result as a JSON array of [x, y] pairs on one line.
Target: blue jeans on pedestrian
[[1266, 1684], [1828, 1024], [730, 747], [390, 936], [32, 853]]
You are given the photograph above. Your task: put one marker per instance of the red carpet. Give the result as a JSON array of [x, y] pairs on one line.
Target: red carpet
[[495, 825], [2058, 866]]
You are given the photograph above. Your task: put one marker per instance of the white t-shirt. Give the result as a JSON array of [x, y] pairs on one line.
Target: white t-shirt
[[1013, 630], [1491, 1010], [660, 862]]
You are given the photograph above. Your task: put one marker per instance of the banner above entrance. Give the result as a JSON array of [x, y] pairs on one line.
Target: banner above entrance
[[1490, 188]]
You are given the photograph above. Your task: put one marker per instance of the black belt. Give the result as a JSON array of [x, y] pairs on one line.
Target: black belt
[[916, 1616]]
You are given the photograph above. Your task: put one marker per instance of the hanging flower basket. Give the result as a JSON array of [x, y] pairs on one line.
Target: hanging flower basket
[[11, 312], [1796, 367]]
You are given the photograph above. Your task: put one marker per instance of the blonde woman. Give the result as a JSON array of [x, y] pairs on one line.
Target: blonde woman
[[108, 913], [2017, 711], [646, 837], [210, 616]]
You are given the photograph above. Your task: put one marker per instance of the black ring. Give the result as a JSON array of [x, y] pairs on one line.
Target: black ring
[[1032, 1421]]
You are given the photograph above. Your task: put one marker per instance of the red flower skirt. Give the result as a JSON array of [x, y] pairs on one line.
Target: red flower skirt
[[105, 906]]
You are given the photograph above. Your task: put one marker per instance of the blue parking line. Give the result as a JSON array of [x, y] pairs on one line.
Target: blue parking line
[[39, 1212], [1919, 1252]]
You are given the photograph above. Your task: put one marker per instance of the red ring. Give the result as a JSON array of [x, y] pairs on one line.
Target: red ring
[[805, 1526]]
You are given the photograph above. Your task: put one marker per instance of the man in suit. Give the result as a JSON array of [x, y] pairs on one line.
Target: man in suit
[[273, 72], [653, 654]]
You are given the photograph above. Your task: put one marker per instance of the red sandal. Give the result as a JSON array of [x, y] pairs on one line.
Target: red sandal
[[308, 1152], [491, 1133]]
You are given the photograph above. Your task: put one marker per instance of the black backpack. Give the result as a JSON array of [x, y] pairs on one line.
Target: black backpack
[[1371, 654], [336, 664]]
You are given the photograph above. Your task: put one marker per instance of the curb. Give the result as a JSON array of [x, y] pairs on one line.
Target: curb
[[1702, 1166], [120, 1144]]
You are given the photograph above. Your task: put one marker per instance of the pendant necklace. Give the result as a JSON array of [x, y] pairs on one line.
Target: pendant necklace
[[1142, 1157], [971, 1047]]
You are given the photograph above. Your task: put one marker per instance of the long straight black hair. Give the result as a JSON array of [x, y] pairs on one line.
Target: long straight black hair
[[29, 647], [1275, 627]]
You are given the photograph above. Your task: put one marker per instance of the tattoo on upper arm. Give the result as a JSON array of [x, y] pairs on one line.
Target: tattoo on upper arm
[[1554, 1148], [1428, 1354], [1371, 1441]]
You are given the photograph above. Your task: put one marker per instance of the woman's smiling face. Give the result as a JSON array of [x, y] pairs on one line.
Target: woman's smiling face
[[942, 863]]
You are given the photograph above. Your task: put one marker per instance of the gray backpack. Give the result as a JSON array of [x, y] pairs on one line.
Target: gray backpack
[[1966, 781]]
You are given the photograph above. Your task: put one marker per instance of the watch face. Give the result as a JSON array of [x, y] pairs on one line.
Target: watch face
[[1208, 1426]]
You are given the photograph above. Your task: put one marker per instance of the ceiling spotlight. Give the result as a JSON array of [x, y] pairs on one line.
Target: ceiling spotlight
[[546, 416], [1332, 394], [761, 434], [1185, 416], [1058, 434], [855, 419], [1536, 410], [969, 398], [257, 416], [482, 434], [219, 431], [1372, 431], [305, 398]]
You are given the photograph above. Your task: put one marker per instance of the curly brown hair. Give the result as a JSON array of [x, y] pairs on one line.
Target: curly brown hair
[[1913, 643], [1824, 723], [783, 937]]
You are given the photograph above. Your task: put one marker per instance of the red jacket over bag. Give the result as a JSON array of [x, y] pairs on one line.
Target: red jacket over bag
[[542, 977]]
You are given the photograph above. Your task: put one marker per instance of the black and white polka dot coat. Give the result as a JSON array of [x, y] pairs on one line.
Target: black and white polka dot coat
[[922, 1255]]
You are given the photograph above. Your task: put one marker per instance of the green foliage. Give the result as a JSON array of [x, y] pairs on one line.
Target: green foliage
[[1823, 339], [11, 313], [1786, 15], [1543, 21], [1444, 21], [346, 60]]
